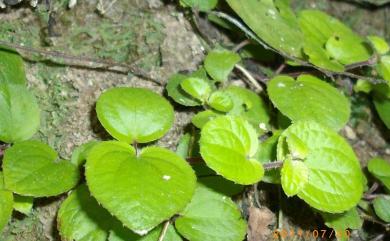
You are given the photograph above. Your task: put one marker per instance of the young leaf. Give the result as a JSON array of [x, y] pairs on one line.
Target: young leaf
[[134, 114], [382, 106], [201, 5], [294, 176], [342, 221], [382, 207], [32, 168], [248, 105], [11, 67], [335, 181], [220, 101], [80, 154], [178, 94], [6, 204], [228, 146], [23, 204], [263, 17], [344, 49], [381, 170], [149, 187], [211, 216], [19, 113], [219, 64], [309, 98], [201, 118], [198, 88], [380, 44]]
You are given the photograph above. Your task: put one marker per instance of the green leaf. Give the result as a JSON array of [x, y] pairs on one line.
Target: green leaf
[[382, 106], [201, 5], [384, 67], [228, 146], [134, 114], [80, 154], [178, 94], [211, 216], [342, 221], [363, 86], [19, 113], [309, 98], [381, 170], [294, 176], [198, 88], [11, 67], [220, 101], [379, 43], [266, 153], [32, 168], [250, 106], [6, 204], [335, 181], [322, 31], [149, 187], [201, 118], [220, 63], [23, 204], [221, 185], [382, 207], [263, 17]]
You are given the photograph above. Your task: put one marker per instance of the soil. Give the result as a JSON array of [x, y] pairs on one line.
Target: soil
[[161, 41]]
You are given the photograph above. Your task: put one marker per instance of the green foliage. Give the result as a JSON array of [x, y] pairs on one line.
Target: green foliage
[[19, 113], [342, 221], [11, 67], [211, 216], [32, 168], [220, 101], [6, 203], [228, 145], [161, 183], [201, 5], [309, 98], [295, 175], [197, 88], [177, 93], [266, 154], [80, 154], [381, 170], [335, 181], [201, 118], [380, 44], [219, 63], [124, 115], [382, 207], [23, 204]]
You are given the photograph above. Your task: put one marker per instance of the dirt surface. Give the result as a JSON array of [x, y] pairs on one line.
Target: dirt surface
[[161, 41]]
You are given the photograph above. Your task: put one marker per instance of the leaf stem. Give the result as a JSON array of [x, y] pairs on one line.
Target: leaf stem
[[251, 79], [164, 230], [272, 165]]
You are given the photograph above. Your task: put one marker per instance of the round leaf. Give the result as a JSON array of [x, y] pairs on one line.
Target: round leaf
[[220, 101], [11, 67], [178, 94], [19, 113], [380, 169], [211, 216], [134, 114], [228, 145], [382, 207], [196, 87], [309, 98], [295, 175], [140, 190], [335, 182], [219, 64], [32, 168], [6, 204]]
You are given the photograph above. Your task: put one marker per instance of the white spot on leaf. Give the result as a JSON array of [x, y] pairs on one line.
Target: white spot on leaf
[[281, 85], [166, 177]]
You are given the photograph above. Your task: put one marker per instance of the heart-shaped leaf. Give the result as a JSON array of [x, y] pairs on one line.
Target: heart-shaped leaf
[[11, 67], [380, 169], [382, 207], [134, 114], [19, 113], [211, 216], [228, 146], [143, 189], [81, 218], [32, 168], [6, 204], [335, 182], [309, 98], [248, 105], [219, 63], [263, 17]]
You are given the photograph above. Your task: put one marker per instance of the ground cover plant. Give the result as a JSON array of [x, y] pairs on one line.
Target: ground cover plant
[[274, 125]]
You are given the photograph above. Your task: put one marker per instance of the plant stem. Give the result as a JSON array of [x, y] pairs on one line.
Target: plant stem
[[272, 165], [164, 231], [241, 45], [251, 79]]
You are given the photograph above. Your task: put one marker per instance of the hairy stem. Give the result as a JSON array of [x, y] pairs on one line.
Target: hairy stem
[[272, 165]]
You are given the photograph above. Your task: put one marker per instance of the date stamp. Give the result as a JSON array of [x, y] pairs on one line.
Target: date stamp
[[315, 233]]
